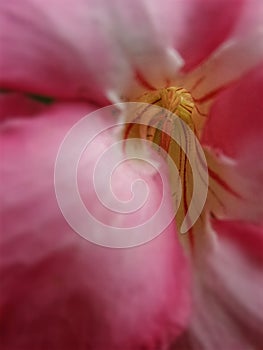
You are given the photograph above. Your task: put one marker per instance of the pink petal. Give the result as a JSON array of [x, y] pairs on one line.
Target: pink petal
[[59, 291], [197, 40], [90, 48], [235, 124], [231, 62], [234, 190], [16, 104], [250, 19], [235, 129], [228, 292], [248, 237]]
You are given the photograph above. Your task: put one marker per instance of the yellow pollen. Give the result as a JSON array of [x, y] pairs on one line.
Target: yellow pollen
[[175, 99], [160, 127]]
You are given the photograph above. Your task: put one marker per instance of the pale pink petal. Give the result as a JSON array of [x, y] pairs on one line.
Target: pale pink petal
[[228, 292], [59, 291], [250, 18], [94, 49]]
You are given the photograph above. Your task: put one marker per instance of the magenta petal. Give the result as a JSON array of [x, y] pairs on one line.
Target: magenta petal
[[246, 237], [87, 48], [235, 124], [59, 291], [44, 49], [14, 104], [235, 129], [228, 292], [199, 35]]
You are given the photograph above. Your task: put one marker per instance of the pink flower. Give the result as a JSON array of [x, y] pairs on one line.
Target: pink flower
[[59, 291]]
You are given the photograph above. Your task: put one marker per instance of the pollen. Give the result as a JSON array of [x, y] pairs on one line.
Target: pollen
[[175, 99], [171, 129], [173, 102]]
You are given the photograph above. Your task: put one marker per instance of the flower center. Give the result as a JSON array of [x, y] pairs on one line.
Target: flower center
[[174, 99], [166, 117], [158, 127]]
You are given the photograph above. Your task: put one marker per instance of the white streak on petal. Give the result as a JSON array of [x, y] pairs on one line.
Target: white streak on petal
[[229, 63], [176, 58]]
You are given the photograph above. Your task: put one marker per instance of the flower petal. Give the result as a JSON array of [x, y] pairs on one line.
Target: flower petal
[[250, 19], [235, 124], [196, 40], [228, 291], [94, 48], [234, 131], [59, 291], [234, 191], [14, 104], [223, 69]]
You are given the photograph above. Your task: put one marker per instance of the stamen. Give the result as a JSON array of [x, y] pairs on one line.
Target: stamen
[[159, 126], [175, 99], [174, 130]]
